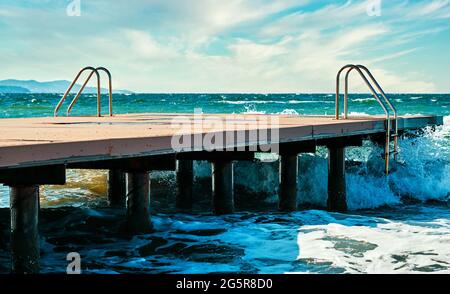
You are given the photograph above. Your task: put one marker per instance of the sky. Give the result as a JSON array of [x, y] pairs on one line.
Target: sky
[[223, 46]]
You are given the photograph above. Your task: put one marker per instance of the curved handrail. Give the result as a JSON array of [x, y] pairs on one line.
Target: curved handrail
[[372, 90], [394, 110], [74, 100], [338, 83], [82, 89], [375, 95], [99, 103], [383, 94], [58, 106], [109, 88]]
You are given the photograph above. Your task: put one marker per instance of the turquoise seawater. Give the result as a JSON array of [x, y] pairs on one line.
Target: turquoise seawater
[[396, 224], [31, 105]]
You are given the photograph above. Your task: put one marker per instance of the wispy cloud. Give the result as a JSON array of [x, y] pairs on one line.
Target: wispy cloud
[[434, 8]]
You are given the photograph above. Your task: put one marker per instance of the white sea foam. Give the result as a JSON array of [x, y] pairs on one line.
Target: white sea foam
[[4, 196], [376, 245], [245, 102], [251, 109], [426, 174], [363, 99], [309, 102], [289, 112], [356, 113]]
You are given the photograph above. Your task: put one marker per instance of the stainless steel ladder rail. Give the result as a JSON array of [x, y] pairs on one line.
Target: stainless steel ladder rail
[[93, 70], [82, 88], [79, 93], [388, 102], [358, 68], [110, 97], [388, 117]]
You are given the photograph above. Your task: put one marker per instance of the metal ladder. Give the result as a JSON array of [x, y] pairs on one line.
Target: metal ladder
[[389, 134], [93, 70]]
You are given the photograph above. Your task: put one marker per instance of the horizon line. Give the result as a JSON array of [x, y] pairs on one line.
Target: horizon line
[[237, 93]]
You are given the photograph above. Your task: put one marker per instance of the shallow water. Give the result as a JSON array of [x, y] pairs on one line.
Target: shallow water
[[399, 224]]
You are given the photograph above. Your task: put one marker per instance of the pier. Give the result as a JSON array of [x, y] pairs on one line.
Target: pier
[[37, 151]]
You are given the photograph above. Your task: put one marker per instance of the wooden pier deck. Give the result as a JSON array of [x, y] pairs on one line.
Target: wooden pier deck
[[37, 151], [26, 142]]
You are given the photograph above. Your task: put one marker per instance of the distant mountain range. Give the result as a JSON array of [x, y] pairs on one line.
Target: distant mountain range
[[31, 86]]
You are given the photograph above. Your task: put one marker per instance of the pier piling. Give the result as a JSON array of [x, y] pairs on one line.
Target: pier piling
[[288, 182], [24, 204], [222, 187], [336, 179], [138, 203], [117, 194], [185, 180]]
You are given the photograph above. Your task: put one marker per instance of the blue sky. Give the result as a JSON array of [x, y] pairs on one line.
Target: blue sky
[[229, 45]]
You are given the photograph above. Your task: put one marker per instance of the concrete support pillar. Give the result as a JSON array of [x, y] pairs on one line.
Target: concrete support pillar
[[24, 204], [117, 194], [288, 183], [185, 180], [138, 203], [336, 179], [222, 187]]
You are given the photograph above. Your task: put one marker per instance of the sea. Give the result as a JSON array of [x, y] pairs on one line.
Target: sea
[[395, 224]]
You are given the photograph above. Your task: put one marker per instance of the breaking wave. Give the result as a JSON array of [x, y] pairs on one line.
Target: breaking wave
[[422, 173]]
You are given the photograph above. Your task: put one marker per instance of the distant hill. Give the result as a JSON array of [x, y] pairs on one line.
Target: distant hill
[[32, 86], [13, 89]]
